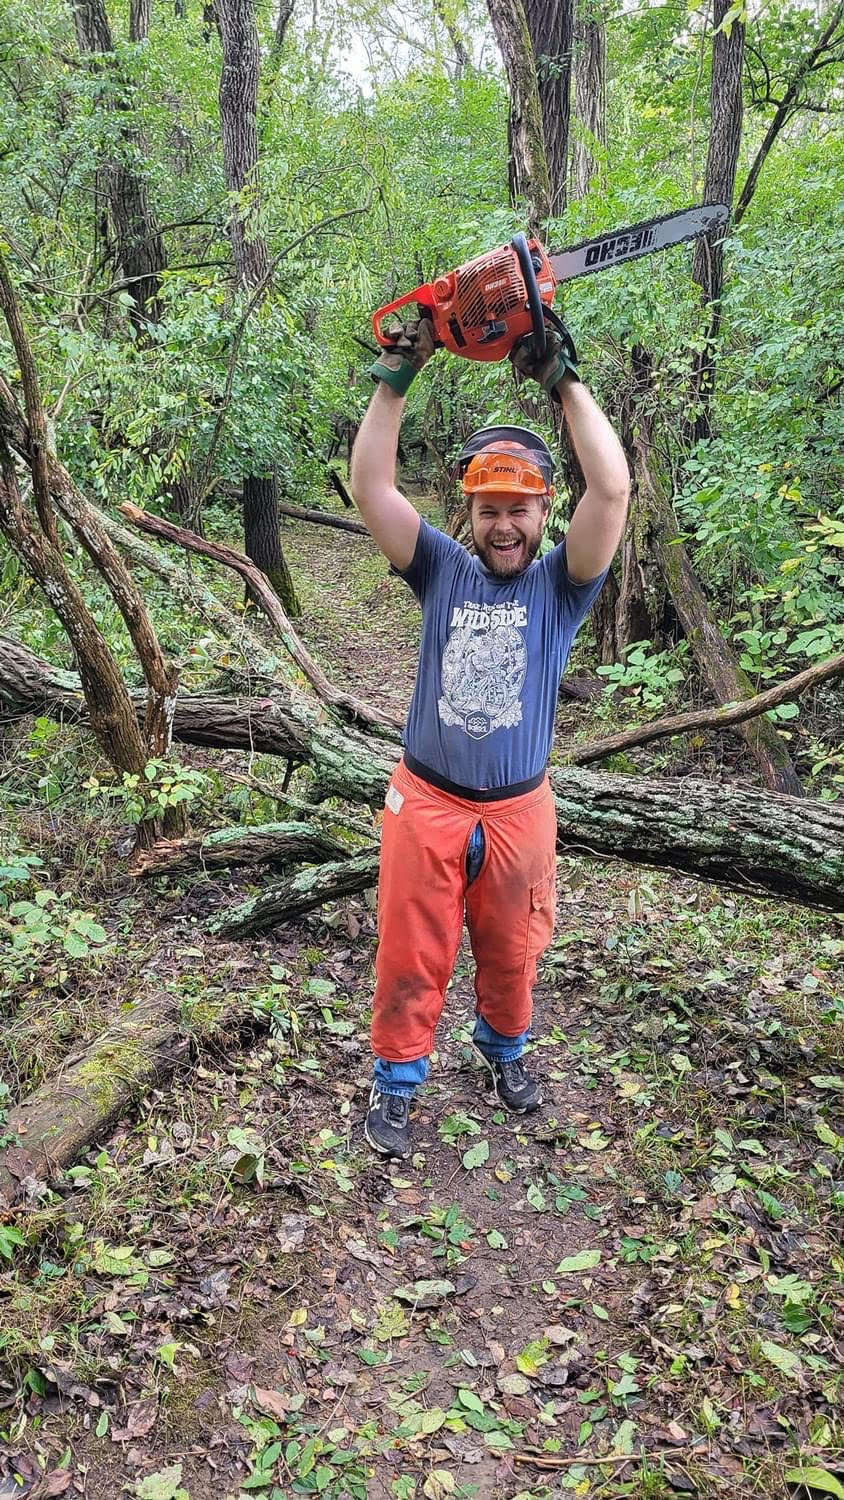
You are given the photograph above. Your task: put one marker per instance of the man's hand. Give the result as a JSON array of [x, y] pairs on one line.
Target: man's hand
[[412, 345], [559, 360]]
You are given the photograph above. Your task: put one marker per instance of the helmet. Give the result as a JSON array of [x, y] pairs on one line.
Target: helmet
[[501, 459]]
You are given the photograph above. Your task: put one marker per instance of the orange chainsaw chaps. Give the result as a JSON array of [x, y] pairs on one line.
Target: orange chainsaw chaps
[[421, 898]]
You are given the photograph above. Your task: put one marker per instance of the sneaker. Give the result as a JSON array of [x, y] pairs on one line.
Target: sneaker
[[386, 1126], [514, 1086]]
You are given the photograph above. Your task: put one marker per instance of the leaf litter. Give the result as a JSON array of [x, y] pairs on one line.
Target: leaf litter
[[231, 1297]]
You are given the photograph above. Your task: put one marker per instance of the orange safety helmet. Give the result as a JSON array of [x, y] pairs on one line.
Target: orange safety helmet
[[506, 460]]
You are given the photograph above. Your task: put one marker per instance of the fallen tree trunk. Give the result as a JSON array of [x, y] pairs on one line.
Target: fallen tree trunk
[[282, 844], [298, 894], [753, 841], [323, 518], [67, 1112]]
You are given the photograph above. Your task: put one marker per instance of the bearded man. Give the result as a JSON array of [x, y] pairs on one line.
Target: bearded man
[[469, 821]]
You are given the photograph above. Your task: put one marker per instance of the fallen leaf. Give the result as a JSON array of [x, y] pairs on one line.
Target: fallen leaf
[[272, 1401], [584, 1260], [816, 1479], [425, 1293]]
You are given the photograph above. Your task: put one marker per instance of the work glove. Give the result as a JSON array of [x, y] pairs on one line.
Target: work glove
[[411, 347], [559, 359]]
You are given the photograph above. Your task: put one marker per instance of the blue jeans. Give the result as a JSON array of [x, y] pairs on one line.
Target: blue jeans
[[404, 1078]]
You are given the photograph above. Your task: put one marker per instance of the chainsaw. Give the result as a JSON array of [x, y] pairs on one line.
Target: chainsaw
[[481, 309]]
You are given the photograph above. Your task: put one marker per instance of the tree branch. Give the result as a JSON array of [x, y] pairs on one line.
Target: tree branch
[[720, 717], [261, 588]]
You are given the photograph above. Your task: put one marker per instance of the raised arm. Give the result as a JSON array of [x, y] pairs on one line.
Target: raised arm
[[387, 514], [597, 525]]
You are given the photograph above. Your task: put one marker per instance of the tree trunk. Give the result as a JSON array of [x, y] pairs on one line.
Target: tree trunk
[[283, 19], [239, 128], [64, 1115], [281, 844], [715, 657], [139, 245], [748, 840], [139, 19], [725, 110], [262, 538], [528, 167], [590, 95], [551, 27]]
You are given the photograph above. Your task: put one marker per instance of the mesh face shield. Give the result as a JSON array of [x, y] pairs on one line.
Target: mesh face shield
[[505, 445]]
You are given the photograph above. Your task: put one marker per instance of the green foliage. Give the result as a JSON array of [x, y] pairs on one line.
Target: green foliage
[[649, 678], [42, 930], [163, 784]]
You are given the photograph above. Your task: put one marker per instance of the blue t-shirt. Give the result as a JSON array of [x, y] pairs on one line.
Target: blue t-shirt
[[490, 661]]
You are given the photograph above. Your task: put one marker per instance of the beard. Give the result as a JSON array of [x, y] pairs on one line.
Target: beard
[[508, 564]]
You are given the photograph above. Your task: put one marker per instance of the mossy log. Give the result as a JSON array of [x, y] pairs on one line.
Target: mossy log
[[50, 1129], [281, 844], [297, 895]]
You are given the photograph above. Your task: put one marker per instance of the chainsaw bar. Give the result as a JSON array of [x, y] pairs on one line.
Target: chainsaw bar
[[640, 239]]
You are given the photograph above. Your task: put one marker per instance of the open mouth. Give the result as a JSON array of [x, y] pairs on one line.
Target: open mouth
[[506, 547]]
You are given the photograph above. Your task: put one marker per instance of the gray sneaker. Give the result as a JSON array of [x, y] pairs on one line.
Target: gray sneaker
[[387, 1123], [514, 1086]]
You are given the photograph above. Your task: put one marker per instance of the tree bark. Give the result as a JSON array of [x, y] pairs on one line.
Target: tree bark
[[725, 111], [283, 19], [551, 28], [749, 840], [56, 1123], [139, 19], [262, 537], [590, 94], [294, 897], [239, 128], [281, 844], [140, 247], [111, 714], [528, 167]]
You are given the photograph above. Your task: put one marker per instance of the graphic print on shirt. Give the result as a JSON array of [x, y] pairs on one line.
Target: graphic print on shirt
[[483, 668]]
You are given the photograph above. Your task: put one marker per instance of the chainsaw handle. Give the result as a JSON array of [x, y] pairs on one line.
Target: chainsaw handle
[[528, 270], [420, 294]]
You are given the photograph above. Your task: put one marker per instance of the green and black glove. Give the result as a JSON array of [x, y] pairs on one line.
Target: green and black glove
[[559, 359], [412, 346]]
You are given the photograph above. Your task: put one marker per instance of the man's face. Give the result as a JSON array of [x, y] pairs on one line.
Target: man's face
[[507, 530]]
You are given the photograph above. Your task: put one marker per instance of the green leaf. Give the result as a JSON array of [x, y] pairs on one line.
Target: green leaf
[[828, 1081], [816, 1479], [496, 1241], [533, 1356], [428, 1292], [476, 1155], [584, 1260], [470, 1400], [782, 1359], [165, 1485]]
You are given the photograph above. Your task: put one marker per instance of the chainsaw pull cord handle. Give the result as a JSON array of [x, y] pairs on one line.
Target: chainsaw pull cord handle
[[535, 303]]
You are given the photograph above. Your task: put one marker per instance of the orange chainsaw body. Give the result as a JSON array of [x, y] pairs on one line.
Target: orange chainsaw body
[[481, 309]]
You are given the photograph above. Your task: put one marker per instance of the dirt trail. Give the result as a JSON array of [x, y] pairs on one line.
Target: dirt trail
[[646, 1274]]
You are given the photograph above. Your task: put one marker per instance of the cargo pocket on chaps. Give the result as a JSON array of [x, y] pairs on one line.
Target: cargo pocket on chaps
[[543, 905]]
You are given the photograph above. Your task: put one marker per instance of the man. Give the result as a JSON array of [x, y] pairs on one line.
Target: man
[[469, 817]]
